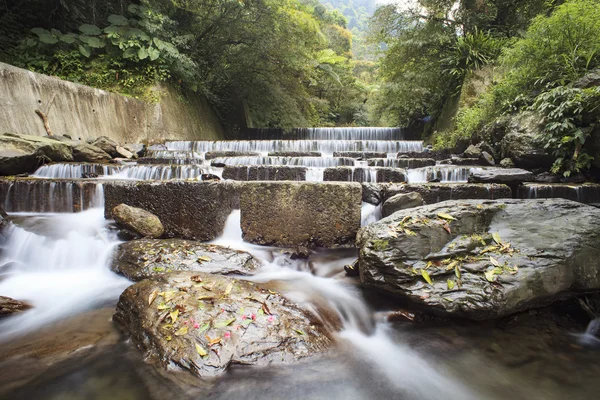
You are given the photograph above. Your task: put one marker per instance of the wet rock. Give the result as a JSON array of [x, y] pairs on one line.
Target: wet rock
[[372, 193], [24, 153], [487, 159], [401, 201], [218, 154], [205, 323], [588, 193], [144, 258], [352, 269], [363, 155], [436, 192], [84, 152], [308, 214], [500, 175], [461, 161], [507, 163], [188, 210], [209, 177], [401, 162], [107, 145], [485, 259], [358, 174], [139, 149], [546, 177], [300, 253], [472, 152], [520, 143], [3, 218], [294, 154], [140, 222], [10, 306], [264, 173]]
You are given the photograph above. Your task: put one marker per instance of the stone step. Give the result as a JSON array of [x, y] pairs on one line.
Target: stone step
[[264, 173], [360, 174], [588, 193], [436, 192], [401, 162]]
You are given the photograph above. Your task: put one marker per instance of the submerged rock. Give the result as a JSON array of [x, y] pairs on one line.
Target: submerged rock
[[144, 258], [205, 323], [483, 259], [137, 221], [10, 306], [401, 201]]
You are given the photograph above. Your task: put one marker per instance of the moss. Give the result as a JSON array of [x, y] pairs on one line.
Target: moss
[[380, 245]]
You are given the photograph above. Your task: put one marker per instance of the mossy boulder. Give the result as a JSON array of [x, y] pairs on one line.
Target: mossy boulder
[[139, 222]]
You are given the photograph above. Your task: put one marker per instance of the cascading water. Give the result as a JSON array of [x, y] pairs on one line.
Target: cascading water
[[318, 162], [61, 270], [443, 173], [338, 133]]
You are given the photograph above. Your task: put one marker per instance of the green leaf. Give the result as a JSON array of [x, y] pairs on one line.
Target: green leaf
[[85, 50], [69, 38], [40, 31], [31, 42], [153, 53], [113, 29], [204, 328], [142, 53], [182, 331], [89, 29], [426, 276], [48, 39], [56, 32], [457, 272], [130, 52], [447, 217], [96, 43], [118, 20], [496, 237], [299, 332], [225, 323], [451, 284], [174, 315]]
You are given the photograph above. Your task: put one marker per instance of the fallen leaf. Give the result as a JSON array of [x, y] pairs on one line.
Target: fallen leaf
[[490, 276], [265, 309], [200, 350], [204, 328], [162, 306], [451, 284], [204, 259], [212, 342], [174, 315], [196, 278], [182, 331], [496, 238], [451, 266], [457, 271], [299, 332], [446, 216], [447, 227], [152, 297], [224, 323], [426, 276], [494, 262], [228, 288], [168, 338]]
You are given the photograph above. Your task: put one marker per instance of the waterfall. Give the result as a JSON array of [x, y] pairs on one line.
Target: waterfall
[[340, 133], [443, 173], [74, 171], [584, 193], [320, 162]]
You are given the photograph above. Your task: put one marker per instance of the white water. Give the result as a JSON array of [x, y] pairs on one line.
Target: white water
[[61, 271], [322, 162], [445, 173], [315, 282]]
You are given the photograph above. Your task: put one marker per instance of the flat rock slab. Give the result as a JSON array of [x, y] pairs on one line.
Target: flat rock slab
[[588, 193], [436, 192], [500, 175], [358, 174], [144, 258], [264, 173], [483, 259], [188, 210], [205, 323], [401, 162], [219, 154], [300, 213]]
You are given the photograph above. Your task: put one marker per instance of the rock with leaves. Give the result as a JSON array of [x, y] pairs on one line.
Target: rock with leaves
[[205, 323], [483, 259]]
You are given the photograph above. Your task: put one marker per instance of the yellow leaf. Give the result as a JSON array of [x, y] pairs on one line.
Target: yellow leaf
[[174, 315], [162, 306], [408, 232], [446, 216], [479, 206], [451, 266], [426, 276], [228, 289], [457, 272], [200, 350], [168, 338], [494, 262], [182, 331], [204, 259], [451, 284], [496, 238], [152, 297], [490, 275], [212, 342]]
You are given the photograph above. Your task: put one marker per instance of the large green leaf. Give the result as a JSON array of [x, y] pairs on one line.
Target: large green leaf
[[142, 53], [96, 43], [153, 53], [90, 29], [48, 39], [69, 38], [40, 31], [85, 50], [130, 52], [118, 20]]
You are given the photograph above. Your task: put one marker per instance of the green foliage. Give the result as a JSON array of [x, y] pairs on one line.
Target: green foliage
[[565, 130]]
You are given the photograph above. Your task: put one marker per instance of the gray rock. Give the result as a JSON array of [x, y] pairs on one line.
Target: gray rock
[[107, 145], [501, 175], [589, 80], [546, 177], [358, 174], [24, 153], [140, 222], [588, 193], [436, 192], [472, 152], [372, 193], [138, 149], [402, 202], [10, 306], [487, 159], [84, 152], [264, 173], [144, 258], [547, 249], [205, 323], [507, 163], [308, 214], [124, 153], [520, 143]]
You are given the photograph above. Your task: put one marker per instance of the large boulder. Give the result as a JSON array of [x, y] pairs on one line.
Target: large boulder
[[436, 192], [301, 213], [10, 306], [25, 153], [483, 259], [84, 152], [144, 258], [107, 145], [472, 152], [500, 175], [204, 323], [520, 143], [401, 201], [140, 223]]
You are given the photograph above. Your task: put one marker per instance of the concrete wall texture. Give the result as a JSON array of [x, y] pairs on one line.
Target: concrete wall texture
[[84, 112]]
